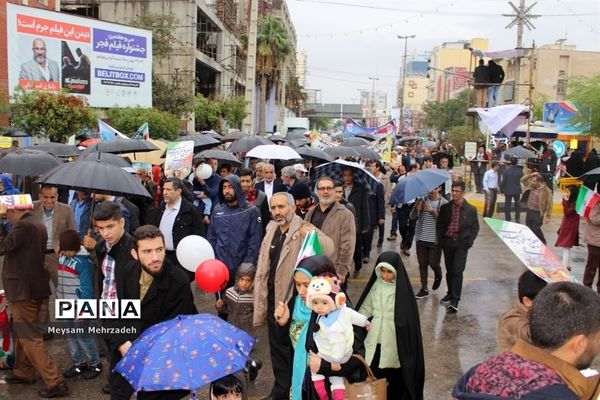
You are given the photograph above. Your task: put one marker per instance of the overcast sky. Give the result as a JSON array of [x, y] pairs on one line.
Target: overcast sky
[[348, 41]]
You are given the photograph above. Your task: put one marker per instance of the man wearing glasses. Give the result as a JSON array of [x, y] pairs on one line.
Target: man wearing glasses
[[337, 222], [40, 68]]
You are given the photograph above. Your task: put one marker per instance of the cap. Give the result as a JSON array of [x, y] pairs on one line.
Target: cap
[[300, 167], [300, 190]]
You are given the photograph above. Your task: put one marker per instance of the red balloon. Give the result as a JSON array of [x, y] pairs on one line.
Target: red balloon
[[212, 276]]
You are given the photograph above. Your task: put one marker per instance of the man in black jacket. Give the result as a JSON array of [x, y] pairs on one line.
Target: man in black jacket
[[457, 227], [356, 194], [481, 77], [510, 186], [177, 218], [496, 78], [165, 293]]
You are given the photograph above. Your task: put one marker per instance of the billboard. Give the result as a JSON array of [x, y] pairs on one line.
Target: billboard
[[108, 64], [561, 115]]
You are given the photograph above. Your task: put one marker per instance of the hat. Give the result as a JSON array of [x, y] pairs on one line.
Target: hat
[[300, 190], [300, 167], [69, 240], [325, 287]]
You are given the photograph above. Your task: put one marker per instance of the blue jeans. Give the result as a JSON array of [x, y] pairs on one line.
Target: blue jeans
[[493, 95], [82, 345]]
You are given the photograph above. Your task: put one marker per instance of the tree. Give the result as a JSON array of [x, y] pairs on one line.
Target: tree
[[234, 111], [445, 115], [273, 46], [208, 113], [162, 27], [320, 123], [294, 95], [585, 93], [458, 135], [171, 96], [162, 125], [56, 116]]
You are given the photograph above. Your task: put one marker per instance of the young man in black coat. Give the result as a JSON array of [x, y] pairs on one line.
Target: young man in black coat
[[457, 227], [164, 291]]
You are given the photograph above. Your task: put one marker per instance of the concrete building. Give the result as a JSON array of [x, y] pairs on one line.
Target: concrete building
[[448, 63], [301, 63], [313, 96], [374, 106], [415, 94]]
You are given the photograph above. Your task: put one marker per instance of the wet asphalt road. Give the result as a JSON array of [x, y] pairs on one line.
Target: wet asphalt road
[[453, 342]]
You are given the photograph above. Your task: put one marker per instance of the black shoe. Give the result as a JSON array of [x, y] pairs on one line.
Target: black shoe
[[15, 380], [422, 293], [365, 260], [379, 245], [106, 389], [75, 370], [445, 300], [253, 367], [453, 308], [93, 371], [437, 281], [60, 390]]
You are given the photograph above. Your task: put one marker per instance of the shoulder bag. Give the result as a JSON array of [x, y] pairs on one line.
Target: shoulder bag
[[369, 389]]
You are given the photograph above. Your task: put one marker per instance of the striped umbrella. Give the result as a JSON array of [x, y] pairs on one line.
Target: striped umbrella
[[361, 176]]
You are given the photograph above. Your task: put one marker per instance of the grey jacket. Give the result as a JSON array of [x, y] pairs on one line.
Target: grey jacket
[[31, 71]]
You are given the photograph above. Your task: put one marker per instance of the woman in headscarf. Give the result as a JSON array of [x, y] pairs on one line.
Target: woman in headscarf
[[6, 186], [393, 346]]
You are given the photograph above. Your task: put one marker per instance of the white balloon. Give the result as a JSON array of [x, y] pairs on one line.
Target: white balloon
[[204, 171], [193, 250]]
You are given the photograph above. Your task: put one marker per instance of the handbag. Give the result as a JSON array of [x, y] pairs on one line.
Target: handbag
[[369, 389]]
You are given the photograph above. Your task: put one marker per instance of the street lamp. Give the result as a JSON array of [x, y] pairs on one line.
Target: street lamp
[[405, 38], [373, 98]]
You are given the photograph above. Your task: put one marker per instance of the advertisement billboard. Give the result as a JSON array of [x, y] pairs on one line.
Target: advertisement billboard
[[561, 116], [108, 64]]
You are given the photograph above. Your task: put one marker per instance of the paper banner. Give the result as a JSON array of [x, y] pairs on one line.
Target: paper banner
[[17, 202], [179, 159]]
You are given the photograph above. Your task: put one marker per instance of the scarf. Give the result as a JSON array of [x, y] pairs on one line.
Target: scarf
[[250, 195], [298, 330]]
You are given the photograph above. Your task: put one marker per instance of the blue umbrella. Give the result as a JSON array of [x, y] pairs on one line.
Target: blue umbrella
[[361, 176], [186, 352], [418, 184]]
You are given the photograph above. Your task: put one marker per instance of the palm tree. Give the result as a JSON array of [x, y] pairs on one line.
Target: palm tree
[[294, 95], [273, 46]]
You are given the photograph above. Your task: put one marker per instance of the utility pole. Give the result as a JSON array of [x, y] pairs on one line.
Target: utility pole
[[405, 38], [248, 124], [521, 18], [373, 98]]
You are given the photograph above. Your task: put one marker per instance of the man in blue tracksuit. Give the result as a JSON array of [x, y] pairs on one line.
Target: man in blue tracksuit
[[235, 231]]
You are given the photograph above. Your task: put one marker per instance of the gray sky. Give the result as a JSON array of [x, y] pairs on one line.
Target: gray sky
[[348, 44]]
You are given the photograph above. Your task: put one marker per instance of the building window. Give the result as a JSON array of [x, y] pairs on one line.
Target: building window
[[508, 92], [561, 87]]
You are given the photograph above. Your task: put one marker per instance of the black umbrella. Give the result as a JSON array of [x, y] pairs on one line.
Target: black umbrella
[[407, 139], [247, 143], [277, 139], [295, 135], [105, 158], [308, 153], [94, 177], [364, 152], [58, 149], [354, 141], [28, 162], [235, 135], [201, 142], [118, 146], [595, 171], [341, 151], [366, 136], [212, 134], [220, 155], [297, 143]]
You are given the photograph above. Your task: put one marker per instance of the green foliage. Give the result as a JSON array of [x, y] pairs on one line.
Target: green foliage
[[171, 96], [234, 111], [56, 116], [320, 123], [458, 135], [585, 92], [208, 113], [162, 27], [162, 125], [538, 108], [273, 45], [445, 115], [294, 95]]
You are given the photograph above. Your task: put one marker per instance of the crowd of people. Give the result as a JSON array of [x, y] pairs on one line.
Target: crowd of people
[[110, 247]]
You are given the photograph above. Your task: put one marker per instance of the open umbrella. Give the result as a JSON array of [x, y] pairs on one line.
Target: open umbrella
[[595, 171], [105, 158], [212, 134], [119, 146], [234, 135], [57, 149], [186, 352], [406, 139], [220, 155], [155, 157], [295, 135], [201, 142], [94, 177], [366, 153], [354, 141], [366, 136], [273, 152], [24, 162], [308, 153], [418, 184], [247, 143], [334, 170], [277, 139], [341, 151], [519, 152]]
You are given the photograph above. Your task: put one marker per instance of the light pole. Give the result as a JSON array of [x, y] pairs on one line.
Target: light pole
[[371, 78], [405, 38]]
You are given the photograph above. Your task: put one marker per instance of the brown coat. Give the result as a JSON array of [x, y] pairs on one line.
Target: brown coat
[[545, 197], [340, 226], [287, 262], [513, 325], [62, 219], [592, 227], [24, 276]]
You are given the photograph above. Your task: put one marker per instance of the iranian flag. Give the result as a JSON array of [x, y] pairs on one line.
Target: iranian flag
[[310, 246], [586, 201]]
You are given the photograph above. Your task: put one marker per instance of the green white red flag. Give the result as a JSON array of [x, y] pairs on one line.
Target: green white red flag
[[310, 246], [586, 201]]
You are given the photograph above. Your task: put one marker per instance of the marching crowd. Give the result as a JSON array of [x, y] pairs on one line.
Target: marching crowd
[[110, 247]]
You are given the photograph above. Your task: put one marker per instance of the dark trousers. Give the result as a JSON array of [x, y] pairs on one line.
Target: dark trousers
[[534, 221], [592, 266], [358, 253], [428, 255], [455, 258], [396, 389], [367, 242], [394, 227], [381, 233], [406, 225], [478, 182], [508, 199], [490, 202], [281, 358]]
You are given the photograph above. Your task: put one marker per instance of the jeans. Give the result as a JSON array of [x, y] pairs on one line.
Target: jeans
[[508, 199], [394, 228], [493, 95], [82, 345]]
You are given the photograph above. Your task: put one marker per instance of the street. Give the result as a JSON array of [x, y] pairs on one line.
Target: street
[[453, 343]]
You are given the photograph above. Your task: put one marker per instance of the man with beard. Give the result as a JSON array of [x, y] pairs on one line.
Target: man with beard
[[565, 338], [235, 231], [255, 197], [165, 293], [276, 261], [337, 222], [40, 68]]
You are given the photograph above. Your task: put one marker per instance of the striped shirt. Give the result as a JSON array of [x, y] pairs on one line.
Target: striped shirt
[[75, 277], [425, 231]]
